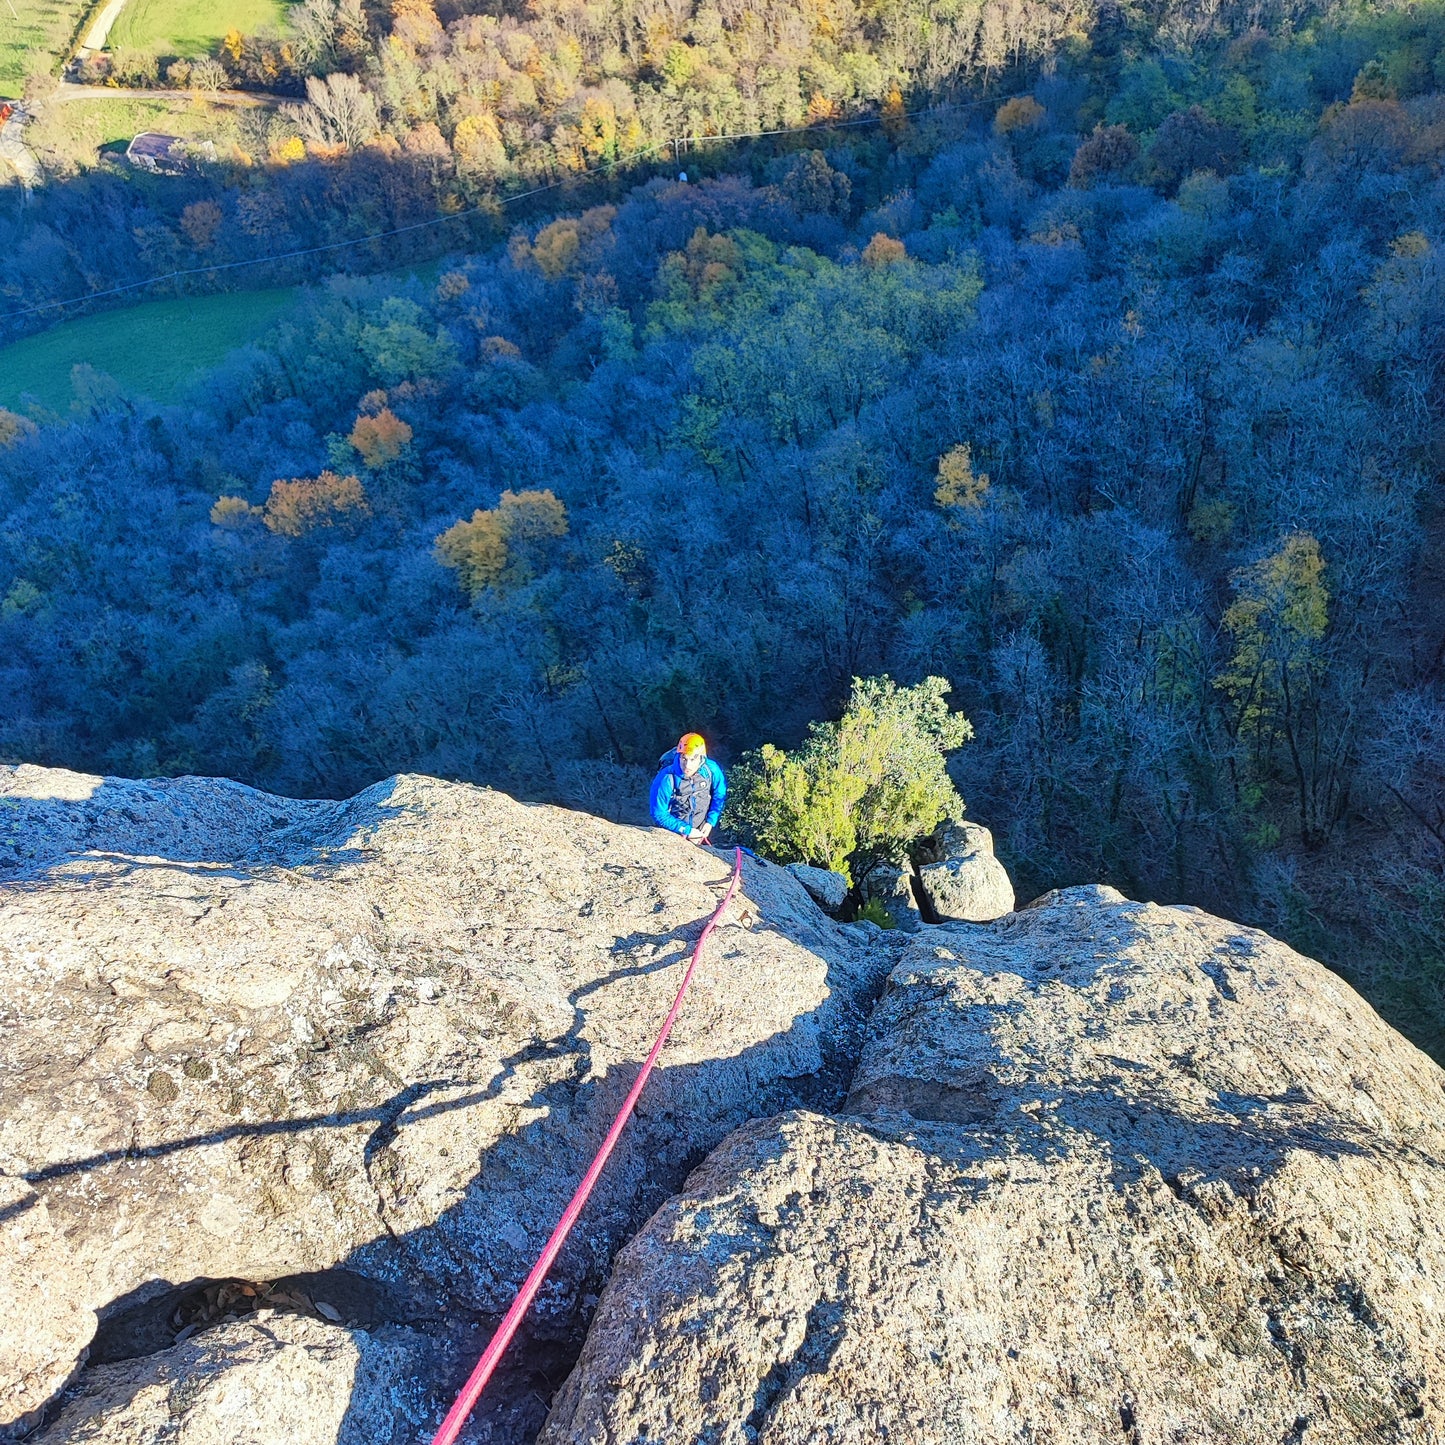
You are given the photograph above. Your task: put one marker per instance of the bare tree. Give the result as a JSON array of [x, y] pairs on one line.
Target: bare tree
[[337, 111], [314, 24], [208, 74]]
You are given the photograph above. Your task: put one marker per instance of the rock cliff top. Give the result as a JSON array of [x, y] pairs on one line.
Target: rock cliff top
[[248, 1038], [292, 1092], [1107, 1171]]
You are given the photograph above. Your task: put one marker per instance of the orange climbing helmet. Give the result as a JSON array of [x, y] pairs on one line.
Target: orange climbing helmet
[[690, 744]]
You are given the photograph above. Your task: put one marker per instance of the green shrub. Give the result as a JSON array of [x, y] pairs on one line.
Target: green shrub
[[873, 911], [859, 789]]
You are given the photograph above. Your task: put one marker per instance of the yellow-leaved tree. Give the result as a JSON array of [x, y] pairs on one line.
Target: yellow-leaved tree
[[235, 513], [13, 426], [1271, 683], [478, 146], [960, 488], [502, 546], [1277, 619]]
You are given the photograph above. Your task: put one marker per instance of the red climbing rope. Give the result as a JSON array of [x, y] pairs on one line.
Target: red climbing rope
[[491, 1356]]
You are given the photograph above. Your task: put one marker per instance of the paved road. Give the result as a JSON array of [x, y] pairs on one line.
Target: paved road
[[14, 149], [95, 37]]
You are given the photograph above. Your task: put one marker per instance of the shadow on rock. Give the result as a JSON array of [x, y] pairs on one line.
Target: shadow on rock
[[1101, 1162], [443, 1282]]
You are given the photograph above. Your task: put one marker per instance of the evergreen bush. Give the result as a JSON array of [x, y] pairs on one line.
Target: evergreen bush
[[860, 789]]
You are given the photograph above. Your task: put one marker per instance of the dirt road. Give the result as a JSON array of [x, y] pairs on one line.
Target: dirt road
[[99, 31], [67, 90]]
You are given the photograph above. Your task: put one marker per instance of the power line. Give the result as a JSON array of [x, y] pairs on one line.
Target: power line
[[674, 142]]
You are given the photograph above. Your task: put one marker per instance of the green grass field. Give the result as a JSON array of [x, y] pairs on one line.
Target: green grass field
[[156, 350], [191, 27], [35, 40]]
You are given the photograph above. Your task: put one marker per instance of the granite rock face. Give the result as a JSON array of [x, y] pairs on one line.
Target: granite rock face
[[964, 882], [1098, 1170], [1108, 1171], [244, 1037], [269, 1379], [825, 887]]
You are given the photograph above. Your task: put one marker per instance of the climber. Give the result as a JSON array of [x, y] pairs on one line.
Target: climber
[[688, 791]]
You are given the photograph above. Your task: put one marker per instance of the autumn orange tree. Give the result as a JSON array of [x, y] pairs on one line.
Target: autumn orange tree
[[380, 438], [884, 250], [306, 504]]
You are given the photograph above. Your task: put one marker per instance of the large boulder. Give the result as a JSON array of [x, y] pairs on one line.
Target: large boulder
[[244, 1037], [829, 890], [1108, 1171], [270, 1378], [962, 880]]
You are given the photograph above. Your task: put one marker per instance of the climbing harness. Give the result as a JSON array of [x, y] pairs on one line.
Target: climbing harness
[[491, 1356]]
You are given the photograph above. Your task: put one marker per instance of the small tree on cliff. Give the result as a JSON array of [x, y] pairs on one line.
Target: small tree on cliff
[[860, 789]]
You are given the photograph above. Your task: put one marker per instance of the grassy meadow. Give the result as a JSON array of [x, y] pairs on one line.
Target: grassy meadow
[[155, 350], [69, 135], [192, 27], [32, 36]]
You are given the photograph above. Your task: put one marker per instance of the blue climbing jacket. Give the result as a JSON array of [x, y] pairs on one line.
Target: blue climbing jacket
[[681, 804]]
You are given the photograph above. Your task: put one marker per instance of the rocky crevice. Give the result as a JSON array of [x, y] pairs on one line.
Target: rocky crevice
[[130, 1328]]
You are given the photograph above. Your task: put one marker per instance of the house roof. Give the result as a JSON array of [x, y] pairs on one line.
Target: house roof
[[152, 144]]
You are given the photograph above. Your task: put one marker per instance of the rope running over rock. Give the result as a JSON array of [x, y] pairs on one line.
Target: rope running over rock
[[491, 1356]]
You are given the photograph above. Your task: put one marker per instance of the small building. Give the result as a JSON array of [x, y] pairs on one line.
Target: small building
[[167, 153], [155, 152]]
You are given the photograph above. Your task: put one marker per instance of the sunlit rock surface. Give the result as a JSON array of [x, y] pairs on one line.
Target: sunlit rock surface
[[244, 1036], [1103, 1170], [964, 882], [1108, 1171], [827, 889], [266, 1380]]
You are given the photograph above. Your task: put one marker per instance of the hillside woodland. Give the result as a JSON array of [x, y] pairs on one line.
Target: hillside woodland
[[1113, 399]]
